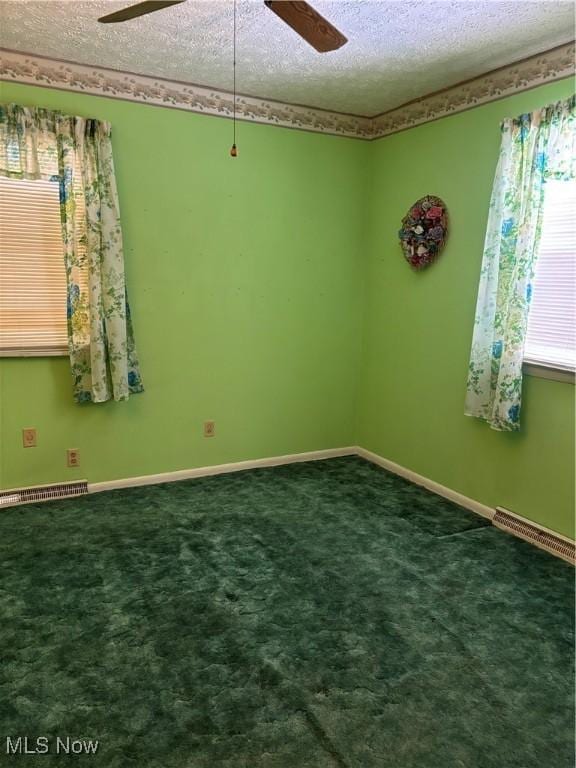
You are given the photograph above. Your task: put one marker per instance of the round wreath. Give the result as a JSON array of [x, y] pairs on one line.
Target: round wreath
[[424, 231]]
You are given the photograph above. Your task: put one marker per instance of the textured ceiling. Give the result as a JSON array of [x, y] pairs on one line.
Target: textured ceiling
[[397, 50]]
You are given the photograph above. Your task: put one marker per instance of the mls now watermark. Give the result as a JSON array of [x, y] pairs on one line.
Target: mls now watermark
[[44, 745]]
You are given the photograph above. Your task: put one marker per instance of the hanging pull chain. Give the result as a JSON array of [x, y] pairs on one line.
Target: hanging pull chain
[[233, 150]]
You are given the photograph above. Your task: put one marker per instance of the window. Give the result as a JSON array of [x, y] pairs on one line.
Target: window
[[32, 275], [551, 335]]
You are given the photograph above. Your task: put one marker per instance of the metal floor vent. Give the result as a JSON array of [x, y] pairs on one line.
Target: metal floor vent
[[43, 493], [541, 537]]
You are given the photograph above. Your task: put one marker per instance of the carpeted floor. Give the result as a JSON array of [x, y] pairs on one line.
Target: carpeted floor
[[321, 615]]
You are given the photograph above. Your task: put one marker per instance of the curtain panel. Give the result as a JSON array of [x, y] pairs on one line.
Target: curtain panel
[[76, 152], [534, 148]]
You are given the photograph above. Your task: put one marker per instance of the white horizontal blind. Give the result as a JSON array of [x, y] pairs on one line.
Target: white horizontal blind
[[32, 275], [33, 292], [551, 336]]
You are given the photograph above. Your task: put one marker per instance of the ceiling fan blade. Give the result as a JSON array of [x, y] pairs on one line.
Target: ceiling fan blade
[[140, 9], [309, 24]]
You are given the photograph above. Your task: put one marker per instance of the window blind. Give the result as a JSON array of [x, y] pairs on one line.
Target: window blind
[[33, 293], [551, 335], [32, 276]]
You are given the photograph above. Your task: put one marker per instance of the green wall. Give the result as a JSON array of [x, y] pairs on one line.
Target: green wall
[[244, 278], [269, 293], [418, 328]]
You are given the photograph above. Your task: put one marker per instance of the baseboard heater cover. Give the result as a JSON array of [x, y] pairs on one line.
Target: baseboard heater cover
[[42, 493], [541, 537]]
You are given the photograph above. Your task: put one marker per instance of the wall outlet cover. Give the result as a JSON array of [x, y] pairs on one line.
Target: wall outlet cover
[[29, 437], [73, 457]]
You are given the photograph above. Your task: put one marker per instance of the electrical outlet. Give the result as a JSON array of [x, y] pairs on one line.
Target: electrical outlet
[[73, 455], [209, 428], [29, 438]]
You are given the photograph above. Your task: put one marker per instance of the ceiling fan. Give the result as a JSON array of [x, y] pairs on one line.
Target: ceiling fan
[[303, 19]]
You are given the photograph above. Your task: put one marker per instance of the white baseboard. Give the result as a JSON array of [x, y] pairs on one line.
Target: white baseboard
[[220, 469], [331, 453], [414, 477], [294, 458]]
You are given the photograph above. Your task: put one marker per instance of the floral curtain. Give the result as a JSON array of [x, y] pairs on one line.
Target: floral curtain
[[77, 153], [534, 147]]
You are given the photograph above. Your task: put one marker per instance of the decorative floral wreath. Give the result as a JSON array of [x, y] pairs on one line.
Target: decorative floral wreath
[[424, 231]]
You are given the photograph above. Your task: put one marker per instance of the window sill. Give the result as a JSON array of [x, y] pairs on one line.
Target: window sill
[[46, 352], [544, 371]]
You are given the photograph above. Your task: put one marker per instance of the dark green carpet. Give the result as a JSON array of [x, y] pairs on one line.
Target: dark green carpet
[[321, 615]]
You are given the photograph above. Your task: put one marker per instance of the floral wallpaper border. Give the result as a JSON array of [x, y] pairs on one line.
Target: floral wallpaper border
[[29, 69], [36, 70], [555, 64]]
